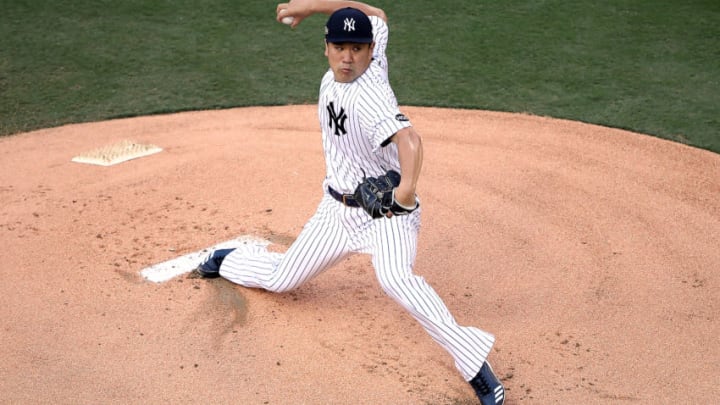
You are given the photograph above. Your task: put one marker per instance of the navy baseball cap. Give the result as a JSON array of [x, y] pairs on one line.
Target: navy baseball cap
[[348, 25]]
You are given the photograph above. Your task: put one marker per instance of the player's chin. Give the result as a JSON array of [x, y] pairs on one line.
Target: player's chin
[[345, 75]]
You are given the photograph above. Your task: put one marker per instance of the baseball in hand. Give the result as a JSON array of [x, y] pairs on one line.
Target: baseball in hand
[[288, 20]]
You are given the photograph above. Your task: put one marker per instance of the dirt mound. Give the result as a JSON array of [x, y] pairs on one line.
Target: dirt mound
[[591, 253]]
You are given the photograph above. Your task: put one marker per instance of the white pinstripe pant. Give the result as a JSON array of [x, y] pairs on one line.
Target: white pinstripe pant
[[336, 231]]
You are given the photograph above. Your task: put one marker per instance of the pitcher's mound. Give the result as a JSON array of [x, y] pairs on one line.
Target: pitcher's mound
[[591, 253]]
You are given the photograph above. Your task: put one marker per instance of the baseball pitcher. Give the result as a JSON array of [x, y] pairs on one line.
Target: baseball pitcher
[[373, 157]]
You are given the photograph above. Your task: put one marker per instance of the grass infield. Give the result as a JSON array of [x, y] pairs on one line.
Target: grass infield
[[651, 66]]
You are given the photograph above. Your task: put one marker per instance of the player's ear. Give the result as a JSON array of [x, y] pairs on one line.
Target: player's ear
[[326, 49]]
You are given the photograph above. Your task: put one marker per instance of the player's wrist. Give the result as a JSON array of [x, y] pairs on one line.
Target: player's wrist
[[406, 200]]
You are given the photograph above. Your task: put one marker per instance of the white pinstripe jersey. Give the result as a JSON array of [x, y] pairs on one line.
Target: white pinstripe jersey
[[357, 120]]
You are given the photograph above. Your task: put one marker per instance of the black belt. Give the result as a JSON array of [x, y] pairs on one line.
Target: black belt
[[346, 199]]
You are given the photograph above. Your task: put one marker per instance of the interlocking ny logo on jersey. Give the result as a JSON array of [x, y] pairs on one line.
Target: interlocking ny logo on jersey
[[337, 118], [349, 24]]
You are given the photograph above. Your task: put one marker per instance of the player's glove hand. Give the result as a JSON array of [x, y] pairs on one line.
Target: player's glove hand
[[376, 195]]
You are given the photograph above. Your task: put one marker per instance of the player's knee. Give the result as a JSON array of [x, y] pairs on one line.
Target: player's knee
[[280, 288], [396, 287]]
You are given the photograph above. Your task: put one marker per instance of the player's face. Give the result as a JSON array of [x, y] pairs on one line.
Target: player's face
[[348, 61]]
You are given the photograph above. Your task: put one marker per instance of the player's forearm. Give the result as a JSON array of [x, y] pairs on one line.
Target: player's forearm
[[410, 154], [330, 6], [301, 9]]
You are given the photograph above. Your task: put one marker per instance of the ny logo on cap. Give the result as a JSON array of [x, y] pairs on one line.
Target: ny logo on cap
[[349, 24]]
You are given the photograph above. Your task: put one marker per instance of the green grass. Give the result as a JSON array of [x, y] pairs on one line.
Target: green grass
[[651, 66]]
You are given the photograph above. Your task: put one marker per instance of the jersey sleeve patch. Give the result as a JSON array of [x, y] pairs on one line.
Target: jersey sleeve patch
[[386, 129]]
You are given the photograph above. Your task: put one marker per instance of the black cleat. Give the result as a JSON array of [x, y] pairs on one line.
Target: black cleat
[[487, 387], [210, 267]]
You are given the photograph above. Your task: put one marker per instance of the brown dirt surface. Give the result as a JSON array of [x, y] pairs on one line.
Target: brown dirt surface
[[591, 253]]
